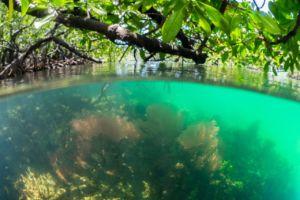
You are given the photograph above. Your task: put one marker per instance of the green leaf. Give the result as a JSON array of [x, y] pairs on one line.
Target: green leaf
[[234, 50], [224, 56], [235, 21], [44, 21], [147, 4], [275, 10], [24, 6], [267, 66], [162, 56], [236, 34], [142, 54], [296, 64], [286, 66], [172, 25], [297, 37], [178, 4], [274, 71], [40, 2], [97, 11], [10, 8], [58, 3], [270, 25], [257, 43], [204, 25], [266, 22], [293, 46], [216, 17]]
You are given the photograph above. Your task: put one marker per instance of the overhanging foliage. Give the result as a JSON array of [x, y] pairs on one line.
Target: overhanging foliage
[[224, 30]]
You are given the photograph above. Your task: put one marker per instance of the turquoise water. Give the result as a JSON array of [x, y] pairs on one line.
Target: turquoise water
[[149, 140]]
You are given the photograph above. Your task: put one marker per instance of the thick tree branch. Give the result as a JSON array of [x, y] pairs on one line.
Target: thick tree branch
[[115, 32], [223, 6]]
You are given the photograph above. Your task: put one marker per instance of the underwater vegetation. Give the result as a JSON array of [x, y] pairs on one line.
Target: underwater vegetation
[[114, 128], [33, 185], [202, 141], [116, 146]]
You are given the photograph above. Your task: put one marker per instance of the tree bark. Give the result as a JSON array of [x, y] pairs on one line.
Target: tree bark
[[116, 32]]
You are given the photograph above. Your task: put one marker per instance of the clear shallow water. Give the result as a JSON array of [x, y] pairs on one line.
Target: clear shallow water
[[149, 140]]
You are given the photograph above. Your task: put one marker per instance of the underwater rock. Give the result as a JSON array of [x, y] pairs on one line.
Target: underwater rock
[[202, 141], [113, 128]]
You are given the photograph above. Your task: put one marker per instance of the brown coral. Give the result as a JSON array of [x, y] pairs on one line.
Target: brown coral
[[93, 135], [113, 128], [164, 122], [103, 129], [202, 141]]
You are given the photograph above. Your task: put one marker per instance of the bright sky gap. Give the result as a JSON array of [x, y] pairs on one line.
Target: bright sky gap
[[259, 3]]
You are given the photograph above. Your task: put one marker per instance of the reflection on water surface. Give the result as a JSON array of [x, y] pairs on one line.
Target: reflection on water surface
[[248, 78]]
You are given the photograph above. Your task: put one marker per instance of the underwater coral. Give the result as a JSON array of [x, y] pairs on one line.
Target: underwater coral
[[34, 186], [202, 141], [113, 128]]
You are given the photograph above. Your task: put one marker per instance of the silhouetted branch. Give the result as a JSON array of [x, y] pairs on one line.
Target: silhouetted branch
[[257, 6]]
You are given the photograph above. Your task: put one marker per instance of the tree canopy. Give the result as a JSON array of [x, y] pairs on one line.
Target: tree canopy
[[199, 30]]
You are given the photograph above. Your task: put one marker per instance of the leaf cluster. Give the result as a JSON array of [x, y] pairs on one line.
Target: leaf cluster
[[228, 31]]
